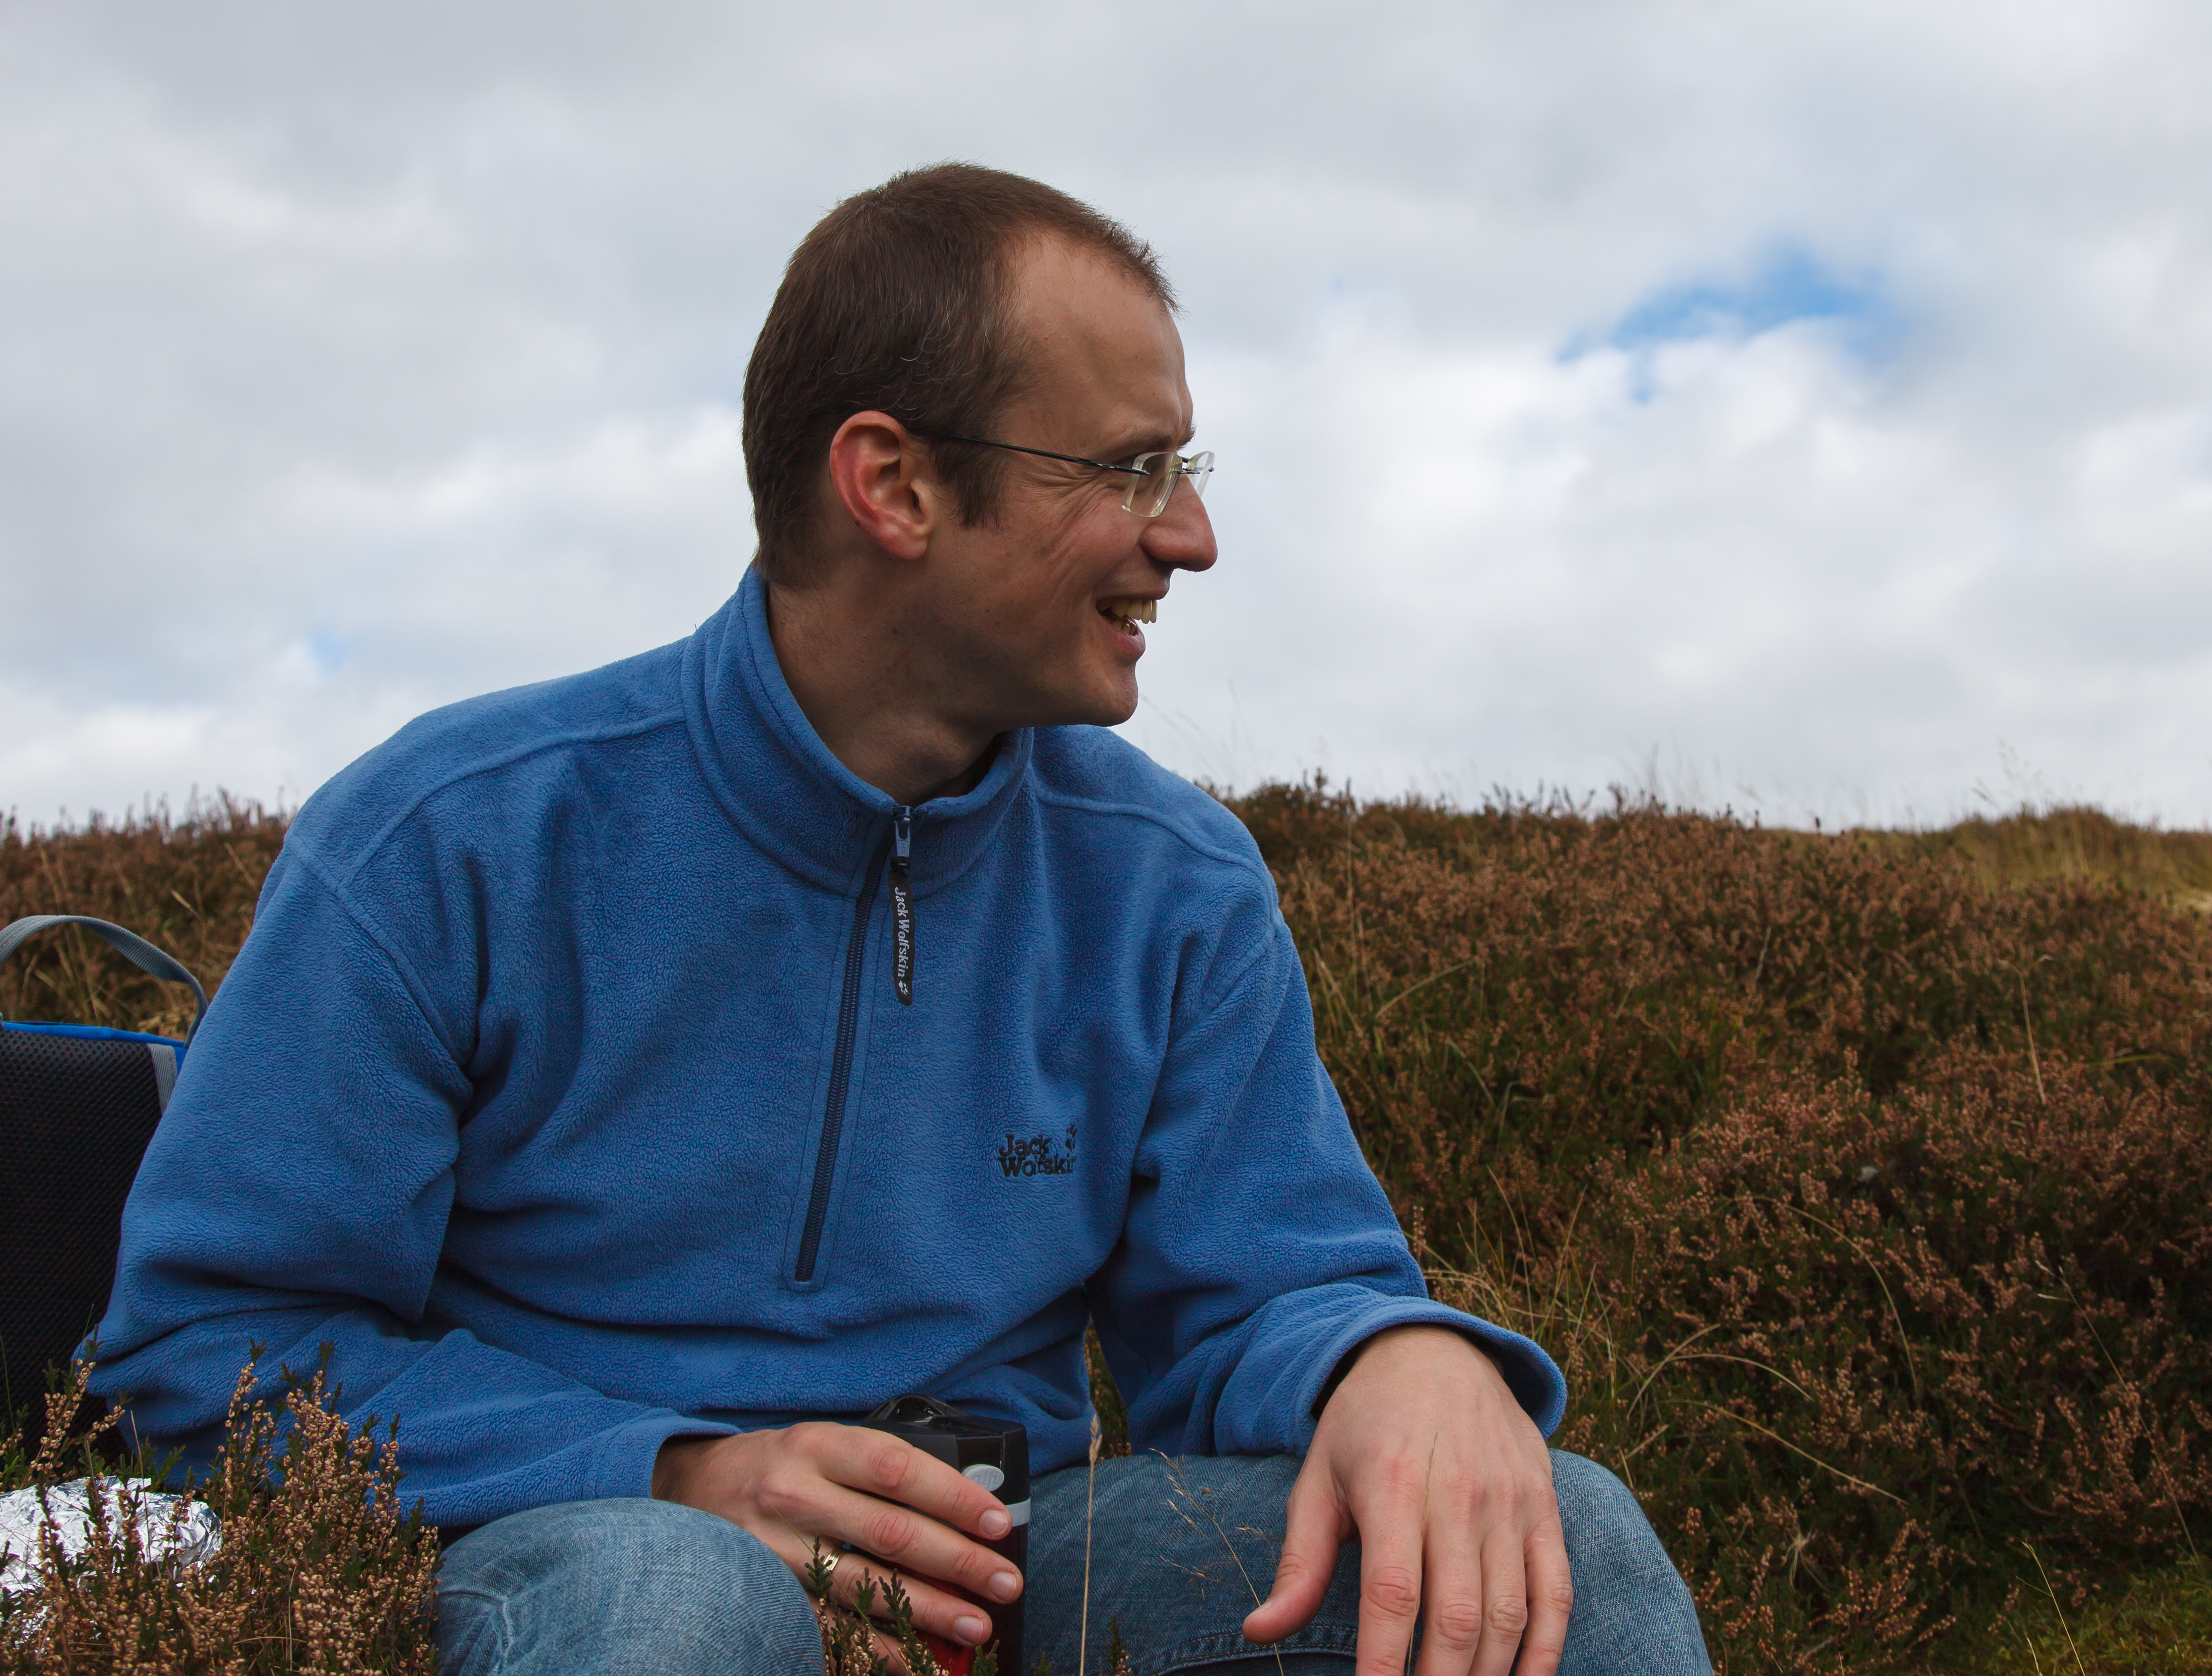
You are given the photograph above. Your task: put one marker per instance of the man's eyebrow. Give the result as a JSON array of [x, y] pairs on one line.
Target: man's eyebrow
[[1149, 442]]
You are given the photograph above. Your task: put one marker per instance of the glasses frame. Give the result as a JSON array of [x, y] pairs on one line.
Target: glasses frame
[[1199, 465]]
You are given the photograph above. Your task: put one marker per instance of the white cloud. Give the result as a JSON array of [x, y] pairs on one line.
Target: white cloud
[[1812, 400]]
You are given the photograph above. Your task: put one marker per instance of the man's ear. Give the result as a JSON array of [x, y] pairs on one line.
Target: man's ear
[[880, 476]]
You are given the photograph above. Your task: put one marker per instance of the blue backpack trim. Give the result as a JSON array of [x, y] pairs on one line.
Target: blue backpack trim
[[98, 1033]]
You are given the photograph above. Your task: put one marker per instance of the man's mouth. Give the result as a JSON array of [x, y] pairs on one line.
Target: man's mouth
[[1126, 611]]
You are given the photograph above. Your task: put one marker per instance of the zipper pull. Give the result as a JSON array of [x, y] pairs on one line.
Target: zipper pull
[[903, 904]]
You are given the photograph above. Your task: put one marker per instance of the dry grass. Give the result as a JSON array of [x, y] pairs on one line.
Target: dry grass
[[2159, 1622], [188, 885], [2070, 843]]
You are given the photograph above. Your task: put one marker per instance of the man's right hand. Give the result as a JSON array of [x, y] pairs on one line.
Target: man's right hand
[[834, 1485]]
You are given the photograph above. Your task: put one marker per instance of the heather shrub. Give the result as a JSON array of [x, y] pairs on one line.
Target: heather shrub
[[1862, 1183], [1897, 1339], [1865, 1203], [317, 1570], [1509, 998]]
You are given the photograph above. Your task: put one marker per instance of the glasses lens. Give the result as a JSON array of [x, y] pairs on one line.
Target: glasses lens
[[1149, 494], [1150, 483], [1197, 468]]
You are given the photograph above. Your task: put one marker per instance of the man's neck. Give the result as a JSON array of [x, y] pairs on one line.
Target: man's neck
[[865, 689]]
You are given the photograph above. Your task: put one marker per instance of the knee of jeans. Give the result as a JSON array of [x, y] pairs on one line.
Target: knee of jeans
[[1607, 1535], [631, 1573]]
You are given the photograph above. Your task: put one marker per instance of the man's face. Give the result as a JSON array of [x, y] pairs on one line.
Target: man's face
[[1034, 603]]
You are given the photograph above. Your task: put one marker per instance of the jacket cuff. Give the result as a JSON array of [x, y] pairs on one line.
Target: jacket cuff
[[623, 1465], [1533, 1378]]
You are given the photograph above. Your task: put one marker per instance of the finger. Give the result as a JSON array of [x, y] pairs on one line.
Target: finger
[[878, 1464], [1504, 1603], [887, 1652], [1452, 1620], [1314, 1532], [861, 1584], [1390, 1577], [1551, 1600], [918, 1545], [808, 1497]]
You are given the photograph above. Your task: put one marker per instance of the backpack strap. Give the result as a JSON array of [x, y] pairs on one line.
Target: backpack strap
[[132, 947]]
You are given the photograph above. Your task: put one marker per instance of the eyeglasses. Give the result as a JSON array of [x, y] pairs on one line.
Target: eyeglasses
[[1152, 478]]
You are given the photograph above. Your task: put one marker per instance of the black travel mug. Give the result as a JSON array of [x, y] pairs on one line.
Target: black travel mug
[[996, 1454]]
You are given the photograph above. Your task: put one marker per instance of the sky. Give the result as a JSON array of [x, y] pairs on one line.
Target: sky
[[1804, 410]]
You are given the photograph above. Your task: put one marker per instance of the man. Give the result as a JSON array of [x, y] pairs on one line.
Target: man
[[620, 1069]]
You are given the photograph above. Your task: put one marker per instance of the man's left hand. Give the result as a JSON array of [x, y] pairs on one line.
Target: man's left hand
[[1424, 1454]]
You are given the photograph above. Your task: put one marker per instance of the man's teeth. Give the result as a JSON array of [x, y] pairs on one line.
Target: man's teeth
[[1128, 611]]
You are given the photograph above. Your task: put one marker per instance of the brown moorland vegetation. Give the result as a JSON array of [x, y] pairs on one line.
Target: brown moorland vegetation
[[1862, 1183], [188, 884], [318, 1569]]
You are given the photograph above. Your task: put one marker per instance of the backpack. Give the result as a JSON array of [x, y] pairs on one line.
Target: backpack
[[78, 1104]]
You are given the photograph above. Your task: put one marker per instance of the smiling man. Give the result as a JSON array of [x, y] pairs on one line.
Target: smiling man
[[623, 1073]]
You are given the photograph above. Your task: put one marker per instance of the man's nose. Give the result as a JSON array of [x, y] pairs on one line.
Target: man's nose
[[1183, 535]]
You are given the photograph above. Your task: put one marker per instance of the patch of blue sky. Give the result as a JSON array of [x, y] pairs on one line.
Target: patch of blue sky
[[326, 651], [1789, 285]]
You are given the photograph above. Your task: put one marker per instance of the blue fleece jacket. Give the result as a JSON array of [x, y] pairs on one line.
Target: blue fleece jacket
[[564, 1088]]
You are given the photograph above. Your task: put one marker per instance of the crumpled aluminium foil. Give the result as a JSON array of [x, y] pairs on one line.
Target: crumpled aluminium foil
[[196, 1538]]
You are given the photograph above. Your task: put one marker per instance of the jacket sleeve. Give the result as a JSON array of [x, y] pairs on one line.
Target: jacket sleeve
[[296, 1194], [1259, 1248]]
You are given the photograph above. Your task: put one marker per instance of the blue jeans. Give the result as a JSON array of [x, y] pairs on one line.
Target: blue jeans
[[600, 1586]]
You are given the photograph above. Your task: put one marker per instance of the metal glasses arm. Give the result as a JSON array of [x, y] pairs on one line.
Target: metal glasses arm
[[1042, 454]]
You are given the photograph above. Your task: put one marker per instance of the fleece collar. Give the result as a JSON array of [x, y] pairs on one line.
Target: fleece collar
[[779, 786]]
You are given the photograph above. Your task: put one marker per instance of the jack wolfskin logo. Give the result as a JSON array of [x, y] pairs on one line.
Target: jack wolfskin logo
[[1035, 1154]]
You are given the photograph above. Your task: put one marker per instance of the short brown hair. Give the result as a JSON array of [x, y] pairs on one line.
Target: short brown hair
[[899, 300]]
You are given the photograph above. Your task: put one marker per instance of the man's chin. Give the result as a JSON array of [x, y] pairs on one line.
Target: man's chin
[[1115, 707], [1119, 711], [1106, 706]]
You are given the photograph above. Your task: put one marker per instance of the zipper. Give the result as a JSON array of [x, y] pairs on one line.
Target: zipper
[[841, 1079], [903, 904]]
